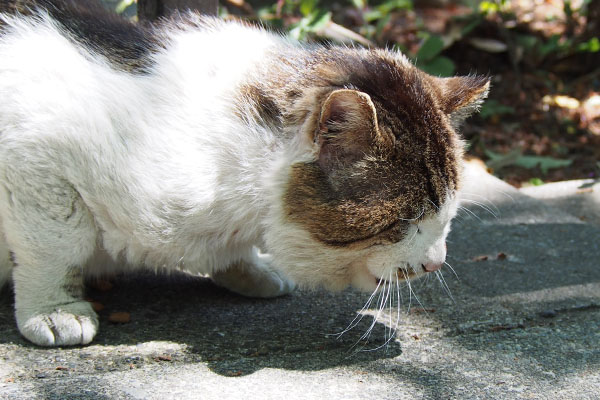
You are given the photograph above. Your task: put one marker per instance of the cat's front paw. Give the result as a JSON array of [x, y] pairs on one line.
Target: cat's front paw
[[68, 325], [254, 280]]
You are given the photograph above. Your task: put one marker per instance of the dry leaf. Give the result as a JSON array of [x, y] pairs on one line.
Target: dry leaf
[[119, 317]]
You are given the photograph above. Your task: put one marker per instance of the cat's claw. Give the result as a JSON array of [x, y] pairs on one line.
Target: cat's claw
[[69, 325]]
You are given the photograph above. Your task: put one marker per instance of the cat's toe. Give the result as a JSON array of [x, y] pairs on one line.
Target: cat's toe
[[74, 324], [253, 281], [285, 286]]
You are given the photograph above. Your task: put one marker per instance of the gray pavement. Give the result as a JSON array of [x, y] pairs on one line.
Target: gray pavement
[[522, 321]]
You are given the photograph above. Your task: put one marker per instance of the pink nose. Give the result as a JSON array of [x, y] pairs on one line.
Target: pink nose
[[432, 267]]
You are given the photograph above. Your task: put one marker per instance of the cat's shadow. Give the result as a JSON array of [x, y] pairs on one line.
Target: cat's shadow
[[233, 335]]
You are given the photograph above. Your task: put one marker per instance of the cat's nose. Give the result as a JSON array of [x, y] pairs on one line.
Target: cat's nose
[[432, 267]]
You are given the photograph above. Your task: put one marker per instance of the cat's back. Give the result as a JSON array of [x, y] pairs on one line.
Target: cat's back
[[82, 82], [140, 120], [64, 54]]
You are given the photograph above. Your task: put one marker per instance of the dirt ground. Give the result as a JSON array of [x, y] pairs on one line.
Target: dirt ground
[[545, 98], [543, 103]]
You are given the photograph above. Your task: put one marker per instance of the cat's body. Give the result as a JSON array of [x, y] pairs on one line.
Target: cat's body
[[194, 144]]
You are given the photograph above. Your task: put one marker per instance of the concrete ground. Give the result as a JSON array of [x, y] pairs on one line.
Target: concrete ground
[[522, 321]]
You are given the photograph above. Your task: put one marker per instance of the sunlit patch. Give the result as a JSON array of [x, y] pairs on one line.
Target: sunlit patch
[[392, 298]]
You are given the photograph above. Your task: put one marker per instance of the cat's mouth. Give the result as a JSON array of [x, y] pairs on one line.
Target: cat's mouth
[[404, 274]]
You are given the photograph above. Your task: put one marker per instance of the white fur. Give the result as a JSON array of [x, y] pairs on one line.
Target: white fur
[[154, 170]]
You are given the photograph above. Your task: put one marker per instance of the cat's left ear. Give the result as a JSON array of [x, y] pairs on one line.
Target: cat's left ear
[[461, 96], [348, 129]]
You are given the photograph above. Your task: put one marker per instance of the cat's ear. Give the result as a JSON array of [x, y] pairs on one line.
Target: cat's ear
[[462, 95], [348, 128]]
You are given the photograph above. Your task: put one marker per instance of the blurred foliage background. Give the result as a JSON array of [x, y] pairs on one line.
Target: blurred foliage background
[[542, 120]]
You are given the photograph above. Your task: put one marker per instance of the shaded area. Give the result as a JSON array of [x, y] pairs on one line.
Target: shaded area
[[523, 321]]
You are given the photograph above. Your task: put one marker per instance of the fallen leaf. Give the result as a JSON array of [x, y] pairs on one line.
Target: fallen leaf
[[480, 258], [119, 317], [489, 45]]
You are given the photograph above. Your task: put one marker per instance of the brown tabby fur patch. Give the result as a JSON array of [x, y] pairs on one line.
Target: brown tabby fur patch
[[371, 200]]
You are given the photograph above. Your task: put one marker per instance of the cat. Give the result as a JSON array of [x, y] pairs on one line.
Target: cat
[[215, 148]]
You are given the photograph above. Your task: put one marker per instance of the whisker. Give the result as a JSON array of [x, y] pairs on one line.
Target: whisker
[[413, 219], [359, 316], [436, 207], [483, 206], [480, 197], [392, 327], [440, 277], [452, 269], [379, 307], [412, 237], [398, 299], [413, 294], [470, 212]]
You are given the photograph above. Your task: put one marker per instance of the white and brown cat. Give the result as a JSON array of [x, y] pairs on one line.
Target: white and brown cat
[[214, 148]]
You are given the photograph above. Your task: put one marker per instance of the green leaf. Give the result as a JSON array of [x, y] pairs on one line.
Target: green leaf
[[431, 47], [591, 46], [310, 24], [493, 107], [360, 4], [391, 5], [488, 7], [372, 15], [318, 20], [122, 6], [545, 163], [536, 182], [516, 158], [550, 46], [307, 7], [381, 24], [439, 66]]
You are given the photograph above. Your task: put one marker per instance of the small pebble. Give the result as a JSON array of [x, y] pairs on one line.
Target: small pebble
[[548, 314]]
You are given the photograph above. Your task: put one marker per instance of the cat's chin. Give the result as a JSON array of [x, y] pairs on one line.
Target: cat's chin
[[369, 282]]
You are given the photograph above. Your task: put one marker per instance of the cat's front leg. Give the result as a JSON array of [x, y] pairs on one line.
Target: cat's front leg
[[51, 234], [52, 312], [255, 277]]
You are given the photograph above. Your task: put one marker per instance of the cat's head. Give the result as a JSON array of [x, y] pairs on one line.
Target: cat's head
[[369, 188]]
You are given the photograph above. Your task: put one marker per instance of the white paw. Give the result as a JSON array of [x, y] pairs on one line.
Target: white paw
[[273, 285], [254, 281], [68, 325]]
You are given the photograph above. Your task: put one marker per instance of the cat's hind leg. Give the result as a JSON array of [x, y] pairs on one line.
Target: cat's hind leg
[[51, 234], [255, 277], [5, 262]]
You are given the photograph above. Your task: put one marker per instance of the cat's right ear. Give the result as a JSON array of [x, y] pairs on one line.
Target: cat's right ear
[[462, 95], [347, 130]]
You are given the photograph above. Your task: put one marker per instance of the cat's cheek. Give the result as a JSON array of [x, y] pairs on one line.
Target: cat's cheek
[[384, 264], [363, 279]]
